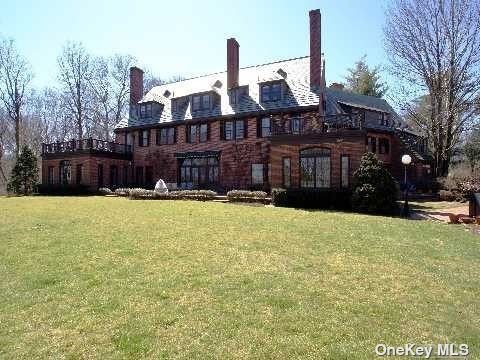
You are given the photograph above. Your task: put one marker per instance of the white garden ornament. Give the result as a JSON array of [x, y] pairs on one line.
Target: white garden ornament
[[160, 187]]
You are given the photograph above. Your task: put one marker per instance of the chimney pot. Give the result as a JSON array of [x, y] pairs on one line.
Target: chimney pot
[[232, 63]]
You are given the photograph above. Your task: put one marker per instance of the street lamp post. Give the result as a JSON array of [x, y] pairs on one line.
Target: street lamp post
[[406, 160]]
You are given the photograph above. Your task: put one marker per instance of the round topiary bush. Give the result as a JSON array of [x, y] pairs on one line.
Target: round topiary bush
[[374, 190]]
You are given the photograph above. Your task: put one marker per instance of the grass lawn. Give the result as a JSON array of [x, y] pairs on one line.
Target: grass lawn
[[99, 277]]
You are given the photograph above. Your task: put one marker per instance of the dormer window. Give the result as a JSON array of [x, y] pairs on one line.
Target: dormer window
[[145, 110], [271, 92], [383, 119], [201, 102]]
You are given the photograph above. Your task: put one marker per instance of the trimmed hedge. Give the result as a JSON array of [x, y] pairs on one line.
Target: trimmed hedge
[[57, 189], [246, 196], [105, 191], [139, 194], [331, 199]]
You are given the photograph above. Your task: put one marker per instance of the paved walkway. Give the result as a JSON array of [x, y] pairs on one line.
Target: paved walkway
[[442, 215]]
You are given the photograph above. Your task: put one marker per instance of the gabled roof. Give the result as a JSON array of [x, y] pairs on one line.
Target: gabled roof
[[295, 73]]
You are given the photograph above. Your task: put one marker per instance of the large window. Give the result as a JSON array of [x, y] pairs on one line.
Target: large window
[[234, 129], [139, 175], [315, 168], [65, 172], [50, 175], [100, 175], [149, 175], [79, 174], [257, 174], [271, 92], [266, 127], [383, 146], [345, 170], [287, 172], [201, 102], [198, 172], [113, 175], [166, 136]]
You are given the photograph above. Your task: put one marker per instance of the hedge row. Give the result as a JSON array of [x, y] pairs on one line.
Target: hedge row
[[313, 198], [246, 196], [142, 194]]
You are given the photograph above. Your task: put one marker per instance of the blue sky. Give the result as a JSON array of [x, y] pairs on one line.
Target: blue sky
[[189, 37]]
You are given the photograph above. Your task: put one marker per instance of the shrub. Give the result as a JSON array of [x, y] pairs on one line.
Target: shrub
[[24, 173], [427, 185], [312, 198], [139, 193], [201, 195], [122, 191], [374, 189], [447, 195], [246, 196], [469, 186], [105, 191], [64, 190]]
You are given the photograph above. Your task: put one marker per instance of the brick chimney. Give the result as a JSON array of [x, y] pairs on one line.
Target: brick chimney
[[315, 49], [232, 63], [136, 85]]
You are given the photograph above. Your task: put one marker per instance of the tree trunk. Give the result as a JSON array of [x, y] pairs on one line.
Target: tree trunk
[[17, 136]]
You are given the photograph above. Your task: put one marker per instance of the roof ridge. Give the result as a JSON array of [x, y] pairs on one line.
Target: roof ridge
[[221, 72]]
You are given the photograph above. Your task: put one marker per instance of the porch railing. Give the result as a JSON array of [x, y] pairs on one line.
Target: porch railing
[[305, 125], [89, 144]]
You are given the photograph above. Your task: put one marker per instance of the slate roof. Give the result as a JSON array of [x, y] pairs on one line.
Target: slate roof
[[297, 94]]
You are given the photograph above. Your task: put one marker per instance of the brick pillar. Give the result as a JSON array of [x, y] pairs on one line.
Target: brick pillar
[[232, 63], [136, 85], [315, 49]]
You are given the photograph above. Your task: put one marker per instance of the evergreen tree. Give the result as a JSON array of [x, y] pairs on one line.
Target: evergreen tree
[[365, 81], [24, 173], [472, 149], [374, 189]]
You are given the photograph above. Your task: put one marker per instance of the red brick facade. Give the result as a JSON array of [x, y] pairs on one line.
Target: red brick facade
[[235, 157]]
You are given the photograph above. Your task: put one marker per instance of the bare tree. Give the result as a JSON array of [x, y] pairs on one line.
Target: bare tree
[[150, 80], [110, 84], [434, 47], [4, 145], [75, 75], [15, 77]]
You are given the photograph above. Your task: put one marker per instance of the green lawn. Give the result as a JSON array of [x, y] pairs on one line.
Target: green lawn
[[103, 278]]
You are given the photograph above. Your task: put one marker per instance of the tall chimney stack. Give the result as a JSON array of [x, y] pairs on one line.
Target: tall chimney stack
[[315, 49], [232, 63], [136, 85]]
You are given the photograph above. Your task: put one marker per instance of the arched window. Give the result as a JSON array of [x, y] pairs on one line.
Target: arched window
[[315, 168], [65, 172]]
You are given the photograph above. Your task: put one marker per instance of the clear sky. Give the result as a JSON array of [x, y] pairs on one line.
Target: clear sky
[[188, 38]]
